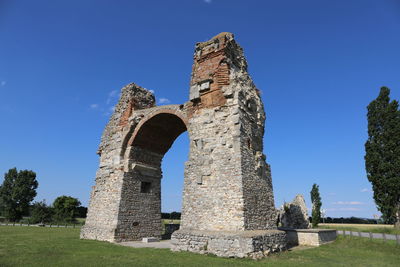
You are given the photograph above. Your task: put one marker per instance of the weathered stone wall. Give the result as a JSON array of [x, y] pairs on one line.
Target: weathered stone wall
[[212, 196], [118, 210], [226, 129], [227, 181], [139, 212], [105, 198], [259, 207]]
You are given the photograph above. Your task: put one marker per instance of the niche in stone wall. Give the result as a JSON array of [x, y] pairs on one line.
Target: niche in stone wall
[[145, 187]]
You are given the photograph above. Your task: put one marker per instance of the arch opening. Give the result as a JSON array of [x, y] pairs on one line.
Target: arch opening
[[159, 132], [140, 206], [173, 169]]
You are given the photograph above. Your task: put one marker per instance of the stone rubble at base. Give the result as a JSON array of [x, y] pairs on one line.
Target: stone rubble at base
[[294, 214]]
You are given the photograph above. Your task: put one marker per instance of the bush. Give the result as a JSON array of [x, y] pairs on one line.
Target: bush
[[41, 213], [66, 209]]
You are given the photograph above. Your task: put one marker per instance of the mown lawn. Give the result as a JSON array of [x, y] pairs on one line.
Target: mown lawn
[[373, 228], [166, 221], [34, 246]]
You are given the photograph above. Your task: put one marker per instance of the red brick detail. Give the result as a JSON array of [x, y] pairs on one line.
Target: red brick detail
[[213, 99], [222, 75], [205, 67], [210, 64], [132, 105], [126, 114]]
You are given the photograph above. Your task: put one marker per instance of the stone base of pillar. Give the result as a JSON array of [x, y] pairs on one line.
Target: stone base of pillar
[[96, 233], [122, 234], [236, 244]]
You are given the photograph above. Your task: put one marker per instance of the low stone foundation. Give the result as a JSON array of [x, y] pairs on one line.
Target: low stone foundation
[[309, 237], [253, 244]]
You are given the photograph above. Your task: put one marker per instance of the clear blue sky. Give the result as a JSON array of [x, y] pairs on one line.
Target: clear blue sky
[[318, 64]]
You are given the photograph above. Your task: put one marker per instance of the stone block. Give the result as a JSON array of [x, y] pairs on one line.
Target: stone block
[[194, 92], [150, 239], [205, 86], [309, 237], [233, 244]]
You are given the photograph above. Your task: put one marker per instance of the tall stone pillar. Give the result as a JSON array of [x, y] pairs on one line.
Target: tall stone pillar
[[125, 203], [117, 185], [228, 205]]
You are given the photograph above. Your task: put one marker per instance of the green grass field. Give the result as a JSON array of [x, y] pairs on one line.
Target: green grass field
[[36, 246], [373, 228], [166, 221]]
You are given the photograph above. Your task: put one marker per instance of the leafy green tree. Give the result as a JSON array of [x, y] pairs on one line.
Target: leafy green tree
[[316, 205], [41, 212], [382, 155], [66, 209], [81, 212], [16, 192]]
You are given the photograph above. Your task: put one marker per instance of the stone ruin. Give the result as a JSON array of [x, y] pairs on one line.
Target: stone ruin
[[294, 214], [228, 204]]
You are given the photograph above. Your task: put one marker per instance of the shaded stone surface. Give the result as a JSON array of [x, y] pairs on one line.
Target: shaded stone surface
[[227, 182]]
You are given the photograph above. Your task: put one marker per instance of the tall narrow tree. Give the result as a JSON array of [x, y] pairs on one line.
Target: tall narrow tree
[[382, 157], [17, 191], [316, 205]]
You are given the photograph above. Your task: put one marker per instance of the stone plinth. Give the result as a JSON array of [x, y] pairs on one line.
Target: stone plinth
[[309, 237], [238, 244]]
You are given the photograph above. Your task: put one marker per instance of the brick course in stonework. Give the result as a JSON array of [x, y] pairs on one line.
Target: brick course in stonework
[[228, 200]]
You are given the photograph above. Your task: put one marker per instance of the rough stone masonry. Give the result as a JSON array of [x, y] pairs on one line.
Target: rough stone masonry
[[228, 204]]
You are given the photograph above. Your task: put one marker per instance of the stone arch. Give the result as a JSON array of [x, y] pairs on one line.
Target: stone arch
[[228, 204], [156, 131], [161, 117]]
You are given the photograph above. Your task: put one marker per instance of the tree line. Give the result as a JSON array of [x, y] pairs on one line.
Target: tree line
[[353, 220], [18, 191], [172, 216]]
